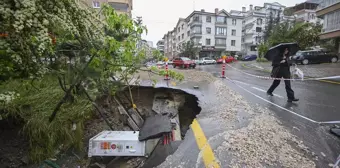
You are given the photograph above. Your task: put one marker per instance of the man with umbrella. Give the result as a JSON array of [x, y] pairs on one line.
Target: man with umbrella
[[280, 56]]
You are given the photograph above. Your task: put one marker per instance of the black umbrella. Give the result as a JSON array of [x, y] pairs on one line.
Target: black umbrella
[[278, 49]]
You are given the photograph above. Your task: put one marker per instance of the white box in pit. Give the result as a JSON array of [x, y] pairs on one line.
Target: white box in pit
[[116, 143]]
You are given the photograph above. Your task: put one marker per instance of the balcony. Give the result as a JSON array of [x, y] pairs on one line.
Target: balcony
[[195, 23], [220, 45], [327, 6], [221, 24], [221, 35], [195, 34]]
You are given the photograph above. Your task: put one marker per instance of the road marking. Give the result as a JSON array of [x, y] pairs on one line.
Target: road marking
[[203, 145], [321, 80], [292, 112], [242, 82], [266, 92]]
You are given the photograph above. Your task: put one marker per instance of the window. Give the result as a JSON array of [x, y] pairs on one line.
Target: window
[[197, 29], [234, 22], [207, 41], [178, 30], [208, 19], [179, 38], [182, 26], [253, 48], [196, 18], [208, 29], [220, 41], [188, 33], [96, 4], [258, 29], [221, 31], [182, 36], [242, 40], [233, 32], [258, 39], [221, 19], [259, 21], [233, 42]]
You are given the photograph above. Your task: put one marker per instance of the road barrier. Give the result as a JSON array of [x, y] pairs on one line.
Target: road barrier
[[167, 71], [292, 79], [223, 67]]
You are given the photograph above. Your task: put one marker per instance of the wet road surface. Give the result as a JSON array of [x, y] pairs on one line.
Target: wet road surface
[[319, 102]]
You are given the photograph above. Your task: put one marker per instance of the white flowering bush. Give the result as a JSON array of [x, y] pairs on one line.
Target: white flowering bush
[[7, 97]]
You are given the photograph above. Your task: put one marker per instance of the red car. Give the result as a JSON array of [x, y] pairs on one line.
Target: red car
[[228, 60], [183, 62]]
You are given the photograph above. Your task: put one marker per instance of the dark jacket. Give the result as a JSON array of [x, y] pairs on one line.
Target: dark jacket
[[277, 61]]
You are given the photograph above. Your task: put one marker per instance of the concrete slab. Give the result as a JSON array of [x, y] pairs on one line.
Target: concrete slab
[[154, 127]]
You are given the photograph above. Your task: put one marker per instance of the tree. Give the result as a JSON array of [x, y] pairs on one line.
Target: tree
[[189, 49], [61, 58], [262, 49], [157, 55], [269, 27], [305, 34]]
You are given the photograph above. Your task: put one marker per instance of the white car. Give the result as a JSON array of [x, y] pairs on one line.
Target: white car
[[207, 60]]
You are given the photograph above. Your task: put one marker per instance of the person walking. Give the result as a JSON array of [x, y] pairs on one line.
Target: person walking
[[281, 69]]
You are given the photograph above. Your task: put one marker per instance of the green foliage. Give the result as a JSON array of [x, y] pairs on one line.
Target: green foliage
[[30, 24], [172, 74], [269, 27], [157, 55], [189, 49], [33, 105], [305, 34], [262, 49]]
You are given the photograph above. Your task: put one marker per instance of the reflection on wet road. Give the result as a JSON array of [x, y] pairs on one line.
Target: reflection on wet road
[[319, 102]]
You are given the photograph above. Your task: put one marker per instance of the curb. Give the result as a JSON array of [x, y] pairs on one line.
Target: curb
[[265, 70]]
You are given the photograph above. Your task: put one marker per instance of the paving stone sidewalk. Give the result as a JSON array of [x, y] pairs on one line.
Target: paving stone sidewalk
[[313, 70]]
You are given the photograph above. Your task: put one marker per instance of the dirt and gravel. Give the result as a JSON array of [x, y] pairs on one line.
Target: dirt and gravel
[[255, 137]]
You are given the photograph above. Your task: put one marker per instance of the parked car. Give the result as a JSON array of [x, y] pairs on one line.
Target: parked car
[[315, 56], [228, 60], [160, 64], [249, 58], [170, 62], [184, 62], [198, 61], [207, 60]]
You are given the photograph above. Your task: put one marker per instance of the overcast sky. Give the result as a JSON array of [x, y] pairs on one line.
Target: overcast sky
[[161, 16]]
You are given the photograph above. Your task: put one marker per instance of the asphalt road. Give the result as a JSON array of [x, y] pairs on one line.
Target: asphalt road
[[319, 102]]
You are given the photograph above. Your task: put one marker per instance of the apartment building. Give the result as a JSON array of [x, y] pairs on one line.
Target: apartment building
[[255, 22], [329, 10], [121, 6], [213, 33], [306, 12], [160, 46]]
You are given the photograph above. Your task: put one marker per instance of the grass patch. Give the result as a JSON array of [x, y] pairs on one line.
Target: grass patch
[[34, 103], [261, 59]]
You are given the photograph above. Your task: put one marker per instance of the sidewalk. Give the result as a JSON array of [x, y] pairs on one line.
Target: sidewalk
[[313, 70]]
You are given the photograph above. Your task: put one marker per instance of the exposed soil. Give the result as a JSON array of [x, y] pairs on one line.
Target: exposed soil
[[14, 148]]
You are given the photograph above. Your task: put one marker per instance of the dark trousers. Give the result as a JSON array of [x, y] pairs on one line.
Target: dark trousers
[[284, 72]]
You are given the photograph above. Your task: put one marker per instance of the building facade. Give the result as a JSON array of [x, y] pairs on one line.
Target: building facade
[[121, 6], [329, 11], [160, 46], [306, 12], [213, 33], [255, 22]]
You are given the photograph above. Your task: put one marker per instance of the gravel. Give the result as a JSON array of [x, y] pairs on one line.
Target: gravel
[[261, 141]]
